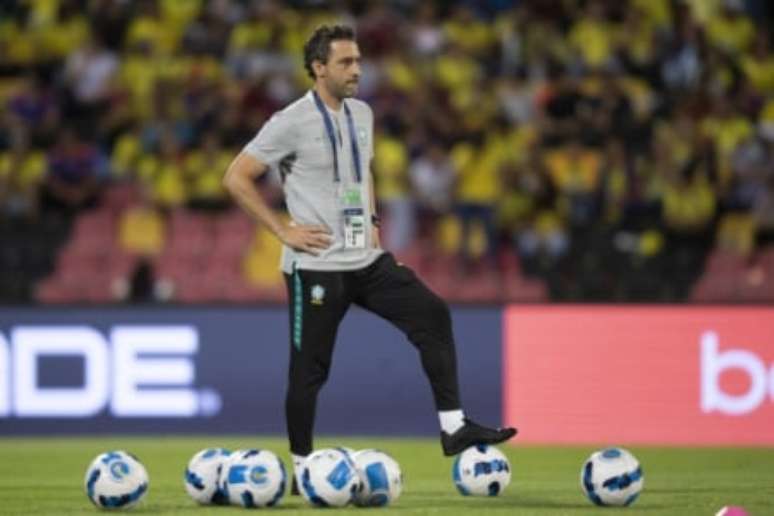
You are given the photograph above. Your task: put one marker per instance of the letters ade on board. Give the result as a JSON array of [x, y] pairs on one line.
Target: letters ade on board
[[223, 370]]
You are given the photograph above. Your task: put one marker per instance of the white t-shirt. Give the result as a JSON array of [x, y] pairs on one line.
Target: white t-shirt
[[294, 142]]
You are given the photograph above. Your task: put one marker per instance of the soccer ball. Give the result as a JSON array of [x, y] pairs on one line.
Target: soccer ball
[[116, 480], [222, 476], [329, 478], [253, 478], [381, 481], [202, 476], [612, 477], [481, 470], [233, 457], [349, 451]]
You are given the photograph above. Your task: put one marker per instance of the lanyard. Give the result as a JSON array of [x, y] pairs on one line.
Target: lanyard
[[332, 137]]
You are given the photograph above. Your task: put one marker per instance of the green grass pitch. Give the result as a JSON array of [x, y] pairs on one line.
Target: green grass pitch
[[45, 477]]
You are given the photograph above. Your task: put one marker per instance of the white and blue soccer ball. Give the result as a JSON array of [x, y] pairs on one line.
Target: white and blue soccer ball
[[253, 478], [233, 457], [381, 480], [329, 478], [612, 476], [203, 474], [481, 470], [346, 449], [116, 480]]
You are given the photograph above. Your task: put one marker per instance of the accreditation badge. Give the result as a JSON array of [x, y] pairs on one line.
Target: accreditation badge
[[353, 217]]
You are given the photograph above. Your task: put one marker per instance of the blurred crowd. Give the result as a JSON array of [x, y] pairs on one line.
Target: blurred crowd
[[606, 146]]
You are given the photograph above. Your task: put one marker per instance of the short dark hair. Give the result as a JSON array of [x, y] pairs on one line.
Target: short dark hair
[[318, 46]]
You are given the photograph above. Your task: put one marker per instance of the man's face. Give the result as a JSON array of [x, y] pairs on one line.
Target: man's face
[[342, 71]]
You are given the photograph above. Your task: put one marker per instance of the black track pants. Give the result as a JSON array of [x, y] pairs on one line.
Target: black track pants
[[318, 301]]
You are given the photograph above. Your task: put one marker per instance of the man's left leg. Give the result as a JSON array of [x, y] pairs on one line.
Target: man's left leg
[[395, 293]]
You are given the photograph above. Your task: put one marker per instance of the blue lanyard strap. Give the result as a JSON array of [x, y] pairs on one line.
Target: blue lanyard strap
[[353, 140], [332, 137], [331, 133]]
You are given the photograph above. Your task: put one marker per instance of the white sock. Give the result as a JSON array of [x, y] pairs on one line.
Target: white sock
[[298, 465], [451, 420]]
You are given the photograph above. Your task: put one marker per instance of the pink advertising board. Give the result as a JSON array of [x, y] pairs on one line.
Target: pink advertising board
[[640, 375]]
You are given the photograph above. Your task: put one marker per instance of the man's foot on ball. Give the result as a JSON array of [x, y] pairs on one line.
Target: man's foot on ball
[[472, 434]]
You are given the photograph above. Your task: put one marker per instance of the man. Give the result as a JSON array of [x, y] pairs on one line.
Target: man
[[322, 146]]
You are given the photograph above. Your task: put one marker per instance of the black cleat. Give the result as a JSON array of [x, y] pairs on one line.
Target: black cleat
[[294, 488], [472, 434]]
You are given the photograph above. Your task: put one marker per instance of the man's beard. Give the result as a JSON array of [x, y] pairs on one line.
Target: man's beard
[[343, 90]]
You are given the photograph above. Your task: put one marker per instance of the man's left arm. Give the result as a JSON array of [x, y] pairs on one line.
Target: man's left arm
[[375, 240]]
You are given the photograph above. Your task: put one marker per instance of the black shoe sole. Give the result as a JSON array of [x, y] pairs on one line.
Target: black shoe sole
[[450, 452]]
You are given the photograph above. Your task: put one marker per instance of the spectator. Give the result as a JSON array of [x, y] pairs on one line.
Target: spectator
[[730, 30], [72, 182], [478, 191], [34, 109], [392, 191], [141, 228], [89, 75], [21, 170], [432, 181]]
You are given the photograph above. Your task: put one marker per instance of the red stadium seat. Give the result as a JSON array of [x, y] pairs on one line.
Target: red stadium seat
[[725, 262]]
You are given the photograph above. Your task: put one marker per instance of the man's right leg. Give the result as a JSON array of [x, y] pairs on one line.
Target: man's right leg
[[394, 292], [317, 301]]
